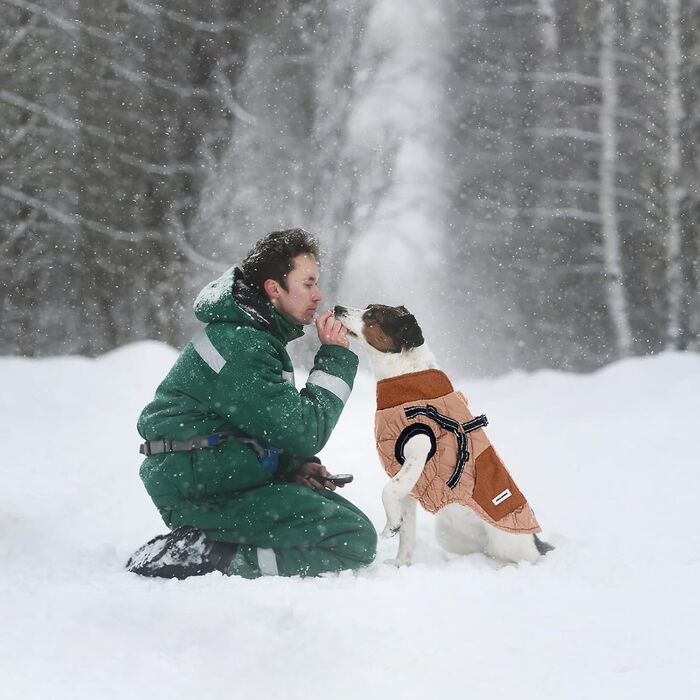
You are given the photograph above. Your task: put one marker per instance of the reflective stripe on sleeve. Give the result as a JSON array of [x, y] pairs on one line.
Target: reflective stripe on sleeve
[[331, 383], [206, 350], [267, 562]]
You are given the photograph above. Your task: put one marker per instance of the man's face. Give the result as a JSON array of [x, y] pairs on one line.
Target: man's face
[[299, 302]]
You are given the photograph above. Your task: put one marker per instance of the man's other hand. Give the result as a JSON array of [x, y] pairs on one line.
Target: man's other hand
[[310, 474]]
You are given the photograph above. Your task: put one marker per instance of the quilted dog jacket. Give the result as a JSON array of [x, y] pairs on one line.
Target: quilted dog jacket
[[462, 467]]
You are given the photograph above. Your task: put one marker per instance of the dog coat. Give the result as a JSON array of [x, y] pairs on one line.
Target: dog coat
[[462, 466]]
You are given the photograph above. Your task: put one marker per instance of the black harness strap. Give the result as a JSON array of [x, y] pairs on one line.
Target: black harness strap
[[461, 432], [410, 431], [475, 424]]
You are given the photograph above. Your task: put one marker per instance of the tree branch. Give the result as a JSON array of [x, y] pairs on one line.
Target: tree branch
[[568, 77], [566, 213], [189, 251], [70, 220], [150, 9], [19, 36], [51, 117], [155, 168], [226, 95], [68, 25]]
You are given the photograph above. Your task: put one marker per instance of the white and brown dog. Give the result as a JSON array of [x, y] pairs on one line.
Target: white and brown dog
[[435, 451]]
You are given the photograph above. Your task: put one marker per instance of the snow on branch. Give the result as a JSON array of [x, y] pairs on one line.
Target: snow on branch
[[155, 168], [19, 36], [70, 220], [593, 187], [178, 231], [52, 118], [513, 11], [20, 133], [571, 133], [142, 76], [226, 95], [150, 9], [568, 77], [20, 228], [566, 213], [65, 23]]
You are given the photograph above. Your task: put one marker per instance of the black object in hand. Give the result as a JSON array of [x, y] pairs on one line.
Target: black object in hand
[[337, 479]]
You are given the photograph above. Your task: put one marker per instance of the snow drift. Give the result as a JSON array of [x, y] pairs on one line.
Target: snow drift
[[608, 460]]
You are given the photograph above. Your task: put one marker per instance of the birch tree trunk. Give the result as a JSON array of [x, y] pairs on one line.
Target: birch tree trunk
[[692, 140], [673, 191], [617, 302]]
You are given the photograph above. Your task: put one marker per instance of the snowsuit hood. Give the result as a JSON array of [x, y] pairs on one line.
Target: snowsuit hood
[[232, 299]]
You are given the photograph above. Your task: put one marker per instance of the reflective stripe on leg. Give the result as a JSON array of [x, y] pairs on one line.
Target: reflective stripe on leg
[[267, 562]]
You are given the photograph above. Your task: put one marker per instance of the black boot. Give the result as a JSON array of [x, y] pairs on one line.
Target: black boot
[[184, 552]]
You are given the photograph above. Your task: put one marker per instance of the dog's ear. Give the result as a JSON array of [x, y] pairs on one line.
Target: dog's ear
[[408, 333]]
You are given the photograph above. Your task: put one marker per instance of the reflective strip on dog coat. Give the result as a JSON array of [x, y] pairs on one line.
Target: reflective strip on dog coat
[[463, 466]]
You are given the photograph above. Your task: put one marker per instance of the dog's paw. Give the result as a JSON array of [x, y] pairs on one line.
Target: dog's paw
[[398, 562]]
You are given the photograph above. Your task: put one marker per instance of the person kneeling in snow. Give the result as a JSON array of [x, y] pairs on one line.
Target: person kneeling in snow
[[230, 444]]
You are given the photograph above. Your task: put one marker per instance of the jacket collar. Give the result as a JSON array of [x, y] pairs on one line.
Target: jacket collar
[[262, 312], [415, 386]]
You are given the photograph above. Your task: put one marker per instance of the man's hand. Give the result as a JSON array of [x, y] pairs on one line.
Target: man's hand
[[331, 331], [307, 475]]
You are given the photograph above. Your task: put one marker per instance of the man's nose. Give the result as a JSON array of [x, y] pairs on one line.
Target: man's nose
[[317, 295]]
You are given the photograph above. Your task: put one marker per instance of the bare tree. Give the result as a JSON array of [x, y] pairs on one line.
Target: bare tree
[[612, 254], [673, 187], [111, 110], [539, 156], [691, 82]]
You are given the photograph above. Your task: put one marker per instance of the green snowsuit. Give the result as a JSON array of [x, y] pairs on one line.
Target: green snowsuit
[[236, 376]]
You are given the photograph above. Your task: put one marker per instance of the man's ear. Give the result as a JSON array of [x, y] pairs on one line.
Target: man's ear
[[272, 289]]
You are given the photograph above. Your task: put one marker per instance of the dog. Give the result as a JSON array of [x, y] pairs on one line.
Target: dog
[[435, 451]]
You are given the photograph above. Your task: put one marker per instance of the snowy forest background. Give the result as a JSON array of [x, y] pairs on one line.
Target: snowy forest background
[[523, 174]]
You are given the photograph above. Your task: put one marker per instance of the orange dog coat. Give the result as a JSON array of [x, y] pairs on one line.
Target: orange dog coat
[[462, 467]]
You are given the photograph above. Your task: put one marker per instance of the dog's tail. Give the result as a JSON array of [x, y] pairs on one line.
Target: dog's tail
[[542, 547]]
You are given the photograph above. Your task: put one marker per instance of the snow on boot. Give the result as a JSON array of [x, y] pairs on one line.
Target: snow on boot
[[183, 552]]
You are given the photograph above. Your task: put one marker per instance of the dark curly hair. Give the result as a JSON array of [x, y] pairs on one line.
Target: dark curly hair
[[271, 257]]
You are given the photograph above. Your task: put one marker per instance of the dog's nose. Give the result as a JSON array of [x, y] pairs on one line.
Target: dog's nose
[[339, 311]]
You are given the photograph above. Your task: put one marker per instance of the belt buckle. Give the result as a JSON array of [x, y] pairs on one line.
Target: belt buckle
[[217, 439], [269, 458]]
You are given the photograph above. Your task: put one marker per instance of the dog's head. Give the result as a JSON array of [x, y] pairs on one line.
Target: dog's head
[[384, 328]]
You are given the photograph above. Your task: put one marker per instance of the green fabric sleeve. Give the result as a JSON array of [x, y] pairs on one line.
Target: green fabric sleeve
[[253, 395]]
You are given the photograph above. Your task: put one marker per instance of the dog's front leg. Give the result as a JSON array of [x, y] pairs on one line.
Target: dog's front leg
[[400, 486], [407, 534]]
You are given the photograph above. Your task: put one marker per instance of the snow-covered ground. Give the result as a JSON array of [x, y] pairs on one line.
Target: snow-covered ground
[[610, 461]]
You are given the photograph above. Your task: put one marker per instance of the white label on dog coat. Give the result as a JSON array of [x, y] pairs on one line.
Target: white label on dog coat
[[501, 497]]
